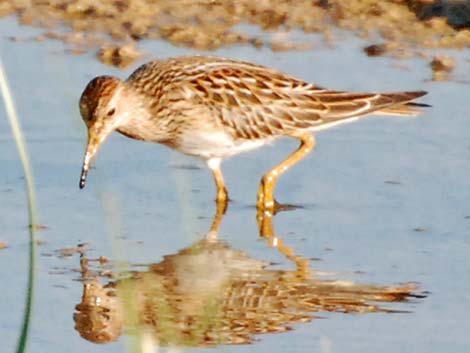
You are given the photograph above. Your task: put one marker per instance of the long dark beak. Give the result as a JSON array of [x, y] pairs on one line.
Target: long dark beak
[[86, 165], [96, 136]]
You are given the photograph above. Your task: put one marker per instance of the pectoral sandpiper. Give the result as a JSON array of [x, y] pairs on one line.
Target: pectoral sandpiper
[[214, 108]]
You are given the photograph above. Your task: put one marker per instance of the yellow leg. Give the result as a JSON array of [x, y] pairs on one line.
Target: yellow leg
[[222, 195], [268, 182], [221, 208], [266, 230]]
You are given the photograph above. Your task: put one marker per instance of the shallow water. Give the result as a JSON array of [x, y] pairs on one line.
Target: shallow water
[[385, 200]]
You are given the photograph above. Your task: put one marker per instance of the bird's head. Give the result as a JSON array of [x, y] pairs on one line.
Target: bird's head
[[103, 110]]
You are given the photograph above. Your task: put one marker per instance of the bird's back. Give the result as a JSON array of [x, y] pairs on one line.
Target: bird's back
[[252, 102]]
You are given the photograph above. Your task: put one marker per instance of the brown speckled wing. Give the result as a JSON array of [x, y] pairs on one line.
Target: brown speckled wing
[[255, 102]]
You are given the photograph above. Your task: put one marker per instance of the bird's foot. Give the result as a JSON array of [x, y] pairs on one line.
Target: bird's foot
[[222, 199], [265, 199], [268, 204]]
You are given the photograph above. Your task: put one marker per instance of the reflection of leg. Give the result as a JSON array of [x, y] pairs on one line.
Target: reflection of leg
[[222, 197], [266, 230], [268, 182], [214, 165], [221, 207]]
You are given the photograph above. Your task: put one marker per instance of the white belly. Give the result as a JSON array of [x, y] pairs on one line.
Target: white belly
[[215, 145]]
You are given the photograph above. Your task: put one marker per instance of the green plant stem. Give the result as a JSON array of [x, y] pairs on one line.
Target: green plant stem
[[20, 144]]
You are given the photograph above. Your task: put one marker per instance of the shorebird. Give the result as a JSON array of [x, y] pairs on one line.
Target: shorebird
[[214, 108]]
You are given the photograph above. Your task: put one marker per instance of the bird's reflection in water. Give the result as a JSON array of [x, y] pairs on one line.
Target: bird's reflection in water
[[210, 294]]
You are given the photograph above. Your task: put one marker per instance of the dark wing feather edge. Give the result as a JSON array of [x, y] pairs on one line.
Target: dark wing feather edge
[[255, 102]]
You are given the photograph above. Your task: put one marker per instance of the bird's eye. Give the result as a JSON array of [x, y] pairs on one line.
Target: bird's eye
[[111, 111]]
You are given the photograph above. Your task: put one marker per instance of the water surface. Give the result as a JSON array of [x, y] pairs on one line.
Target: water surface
[[385, 200]]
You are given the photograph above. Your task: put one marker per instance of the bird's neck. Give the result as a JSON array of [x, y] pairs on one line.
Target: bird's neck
[[141, 123]]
